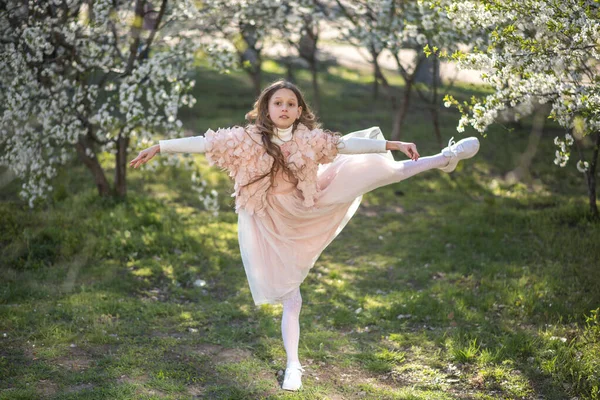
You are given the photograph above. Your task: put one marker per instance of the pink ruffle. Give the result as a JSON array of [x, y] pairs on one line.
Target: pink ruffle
[[239, 151], [315, 147], [234, 150]]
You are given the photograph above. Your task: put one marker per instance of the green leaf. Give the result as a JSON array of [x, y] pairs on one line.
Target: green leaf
[[427, 50]]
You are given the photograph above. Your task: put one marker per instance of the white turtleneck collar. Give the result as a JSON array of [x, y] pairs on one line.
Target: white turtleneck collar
[[282, 135]]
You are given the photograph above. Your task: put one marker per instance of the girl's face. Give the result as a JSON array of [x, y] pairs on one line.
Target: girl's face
[[284, 108]]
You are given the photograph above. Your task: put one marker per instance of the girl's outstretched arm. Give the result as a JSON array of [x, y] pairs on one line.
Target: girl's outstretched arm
[[144, 156], [194, 144], [410, 149], [358, 145]]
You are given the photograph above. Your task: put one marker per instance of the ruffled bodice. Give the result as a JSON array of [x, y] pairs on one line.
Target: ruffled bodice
[[240, 151]]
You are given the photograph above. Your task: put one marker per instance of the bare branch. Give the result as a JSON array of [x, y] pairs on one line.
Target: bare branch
[[161, 13], [136, 28]]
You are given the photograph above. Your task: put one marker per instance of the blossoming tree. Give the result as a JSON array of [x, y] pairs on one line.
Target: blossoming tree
[[544, 51], [395, 26], [245, 26], [78, 77], [301, 30]]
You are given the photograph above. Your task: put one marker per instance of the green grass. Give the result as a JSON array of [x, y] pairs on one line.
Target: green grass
[[455, 286]]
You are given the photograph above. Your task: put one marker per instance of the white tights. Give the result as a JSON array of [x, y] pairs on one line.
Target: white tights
[[290, 326], [374, 171], [396, 171]]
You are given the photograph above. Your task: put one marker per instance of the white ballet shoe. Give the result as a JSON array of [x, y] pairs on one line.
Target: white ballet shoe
[[465, 148], [293, 377]]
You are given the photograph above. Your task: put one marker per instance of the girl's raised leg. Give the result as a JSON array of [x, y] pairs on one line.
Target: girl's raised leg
[[362, 173], [355, 175]]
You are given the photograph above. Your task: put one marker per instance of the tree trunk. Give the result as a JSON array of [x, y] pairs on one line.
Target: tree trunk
[[250, 58], [521, 172], [409, 80], [592, 196], [136, 29], [375, 85], [315, 85], [307, 49], [93, 165], [402, 111], [6, 176], [91, 17], [255, 75], [379, 76], [121, 167], [376, 72], [428, 71], [435, 119], [251, 63], [591, 179], [590, 173], [435, 107], [289, 76]]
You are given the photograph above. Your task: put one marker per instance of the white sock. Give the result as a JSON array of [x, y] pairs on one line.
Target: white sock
[[290, 327]]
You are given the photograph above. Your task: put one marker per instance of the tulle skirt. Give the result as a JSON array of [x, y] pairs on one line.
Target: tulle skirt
[[279, 249]]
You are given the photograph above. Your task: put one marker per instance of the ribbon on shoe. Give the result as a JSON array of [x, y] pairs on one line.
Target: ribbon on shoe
[[452, 153], [465, 148], [449, 151]]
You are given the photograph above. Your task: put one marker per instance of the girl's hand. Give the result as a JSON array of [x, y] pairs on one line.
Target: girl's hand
[[144, 156], [410, 149]]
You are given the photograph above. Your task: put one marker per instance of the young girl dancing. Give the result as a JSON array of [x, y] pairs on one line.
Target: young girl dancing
[[296, 187]]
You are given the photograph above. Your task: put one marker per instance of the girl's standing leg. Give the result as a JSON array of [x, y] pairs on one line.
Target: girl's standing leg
[[290, 330], [290, 326]]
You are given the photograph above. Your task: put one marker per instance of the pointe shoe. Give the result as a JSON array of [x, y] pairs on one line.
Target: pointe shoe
[[293, 377], [465, 148]]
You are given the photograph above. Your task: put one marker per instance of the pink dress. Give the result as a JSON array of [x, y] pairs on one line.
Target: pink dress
[[279, 248]]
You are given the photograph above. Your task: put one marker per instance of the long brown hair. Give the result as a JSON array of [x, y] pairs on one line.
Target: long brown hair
[[264, 125]]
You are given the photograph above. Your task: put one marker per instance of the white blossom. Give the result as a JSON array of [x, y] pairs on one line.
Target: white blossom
[[568, 139], [582, 166], [50, 109], [531, 60]]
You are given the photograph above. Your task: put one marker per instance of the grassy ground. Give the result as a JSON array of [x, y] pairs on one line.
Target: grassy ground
[[443, 286]]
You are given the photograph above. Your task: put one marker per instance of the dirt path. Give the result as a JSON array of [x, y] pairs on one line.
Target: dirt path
[[357, 58]]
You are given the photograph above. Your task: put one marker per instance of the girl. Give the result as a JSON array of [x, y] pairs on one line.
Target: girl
[[296, 187]]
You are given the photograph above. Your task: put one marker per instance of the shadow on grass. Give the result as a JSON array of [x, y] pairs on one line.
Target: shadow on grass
[[474, 267]]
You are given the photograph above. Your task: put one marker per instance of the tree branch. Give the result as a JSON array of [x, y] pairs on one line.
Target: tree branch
[[136, 28], [161, 13], [113, 29]]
